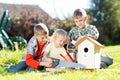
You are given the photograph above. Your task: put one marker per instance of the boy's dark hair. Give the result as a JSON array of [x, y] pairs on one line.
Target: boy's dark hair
[[79, 12], [40, 29]]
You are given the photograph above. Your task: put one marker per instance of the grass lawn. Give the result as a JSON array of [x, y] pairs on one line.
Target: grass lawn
[[12, 57]]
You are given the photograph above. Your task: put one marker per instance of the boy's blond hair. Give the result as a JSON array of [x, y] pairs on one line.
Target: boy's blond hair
[[40, 29], [59, 32], [79, 13]]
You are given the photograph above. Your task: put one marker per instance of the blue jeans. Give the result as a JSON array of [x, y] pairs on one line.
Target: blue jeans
[[106, 61], [20, 66]]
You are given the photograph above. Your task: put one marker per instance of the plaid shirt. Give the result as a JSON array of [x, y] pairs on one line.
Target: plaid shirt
[[77, 32]]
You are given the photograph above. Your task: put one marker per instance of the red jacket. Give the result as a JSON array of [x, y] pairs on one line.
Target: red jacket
[[33, 53]]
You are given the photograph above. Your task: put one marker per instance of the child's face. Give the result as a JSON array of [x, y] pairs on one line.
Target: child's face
[[42, 38], [80, 21], [60, 41]]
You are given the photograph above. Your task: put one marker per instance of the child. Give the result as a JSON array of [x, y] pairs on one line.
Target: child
[[55, 50], [84, 29], [31, 60]]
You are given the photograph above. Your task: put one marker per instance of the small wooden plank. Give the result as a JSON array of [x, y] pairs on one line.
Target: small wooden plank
[[59, 69]]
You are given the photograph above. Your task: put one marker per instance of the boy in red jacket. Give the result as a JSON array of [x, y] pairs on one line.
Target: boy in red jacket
[[35, 48]]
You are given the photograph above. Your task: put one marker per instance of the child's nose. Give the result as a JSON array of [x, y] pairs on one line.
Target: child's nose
[[62, 43]]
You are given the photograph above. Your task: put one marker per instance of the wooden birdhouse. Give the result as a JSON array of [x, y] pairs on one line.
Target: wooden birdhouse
[[88, 52]]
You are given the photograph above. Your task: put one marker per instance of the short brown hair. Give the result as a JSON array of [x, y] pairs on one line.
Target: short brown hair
[[40, 29], [79, 12]]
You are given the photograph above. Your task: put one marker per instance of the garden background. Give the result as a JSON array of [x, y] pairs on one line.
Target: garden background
[[104, 14]]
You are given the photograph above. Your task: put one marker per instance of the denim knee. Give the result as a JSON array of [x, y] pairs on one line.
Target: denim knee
[[20, 66], [103, 65], [107, 59]]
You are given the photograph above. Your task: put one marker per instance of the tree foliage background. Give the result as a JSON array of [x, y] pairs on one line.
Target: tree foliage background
[[106, 16]]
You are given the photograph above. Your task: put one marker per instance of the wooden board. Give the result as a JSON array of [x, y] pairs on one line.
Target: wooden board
[[58, 69]]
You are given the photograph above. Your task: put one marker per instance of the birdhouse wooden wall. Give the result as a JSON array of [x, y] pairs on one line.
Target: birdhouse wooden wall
[[88, 54]]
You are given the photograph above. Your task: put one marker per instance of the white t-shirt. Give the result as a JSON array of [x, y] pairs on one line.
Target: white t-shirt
[[55, 52]]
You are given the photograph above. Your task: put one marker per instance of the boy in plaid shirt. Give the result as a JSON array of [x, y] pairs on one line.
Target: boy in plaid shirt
[[81, 29]]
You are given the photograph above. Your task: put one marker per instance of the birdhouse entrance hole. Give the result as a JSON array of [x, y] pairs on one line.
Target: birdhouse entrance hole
[[86, 50]]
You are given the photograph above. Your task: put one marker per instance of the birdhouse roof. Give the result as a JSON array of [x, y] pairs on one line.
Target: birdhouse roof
[[96, 43]]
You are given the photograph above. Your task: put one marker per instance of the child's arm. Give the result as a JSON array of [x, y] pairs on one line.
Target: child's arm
[[93, 32], [46, 61], [46, 53], [46, 64], [45, 56], [64, 55]]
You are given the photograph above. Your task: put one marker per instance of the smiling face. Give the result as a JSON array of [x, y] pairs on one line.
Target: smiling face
[[80, 17], [42, 39], [80, 21], [60, 40], [41, 33]]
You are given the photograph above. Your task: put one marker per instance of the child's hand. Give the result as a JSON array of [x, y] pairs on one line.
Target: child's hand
[[94, 37], [48, 60], [47, 63]]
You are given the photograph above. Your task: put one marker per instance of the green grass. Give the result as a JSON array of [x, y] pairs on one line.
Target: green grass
[[12, 57]]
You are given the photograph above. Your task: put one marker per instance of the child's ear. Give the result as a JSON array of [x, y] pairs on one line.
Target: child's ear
[[85, 18]]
